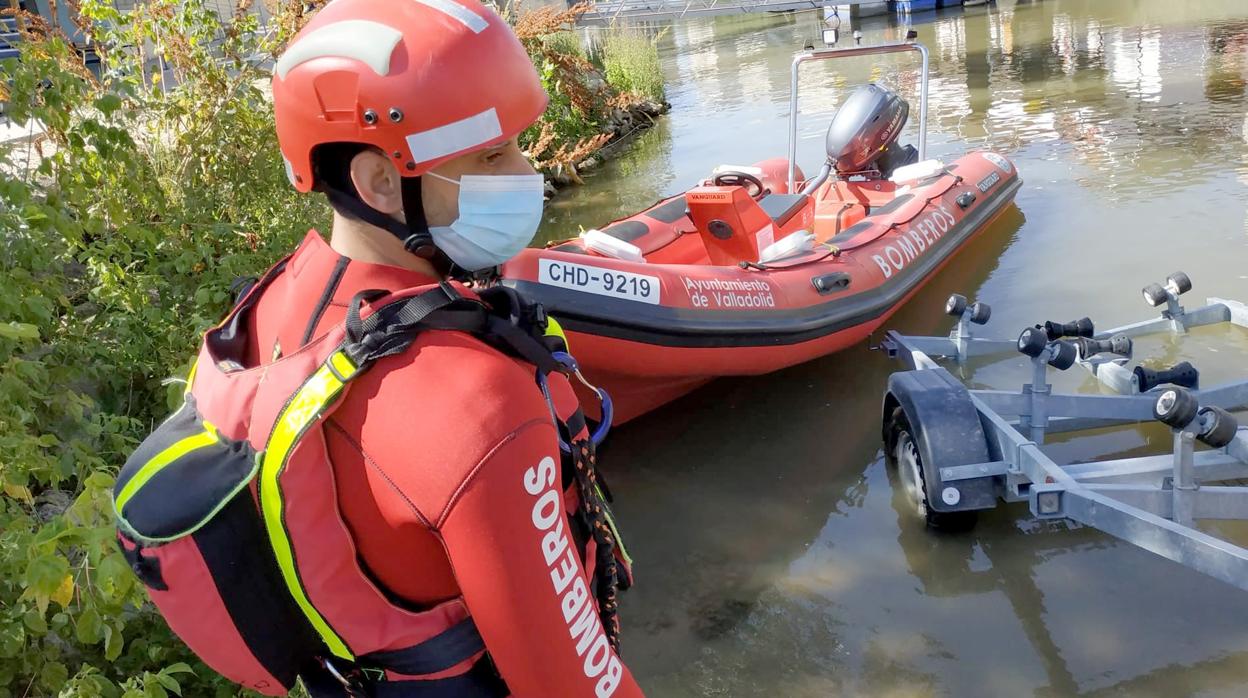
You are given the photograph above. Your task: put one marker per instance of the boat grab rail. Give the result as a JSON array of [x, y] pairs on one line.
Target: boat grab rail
[[850, 52], [811, 186]]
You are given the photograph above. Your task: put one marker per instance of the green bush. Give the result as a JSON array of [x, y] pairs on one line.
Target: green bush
[[565, 42], [579, 98], [121, 230], [117, 246], [630, 62]]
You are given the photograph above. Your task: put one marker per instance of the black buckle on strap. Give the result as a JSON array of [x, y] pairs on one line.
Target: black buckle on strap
[[392, 327]]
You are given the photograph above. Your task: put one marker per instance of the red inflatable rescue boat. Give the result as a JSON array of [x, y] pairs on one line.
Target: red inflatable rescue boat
[[755, 269]]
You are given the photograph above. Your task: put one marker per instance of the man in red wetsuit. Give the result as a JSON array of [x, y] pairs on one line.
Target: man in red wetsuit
[[405, 114]]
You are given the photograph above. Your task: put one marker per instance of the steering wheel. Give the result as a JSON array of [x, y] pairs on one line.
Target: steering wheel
[[733, 178]]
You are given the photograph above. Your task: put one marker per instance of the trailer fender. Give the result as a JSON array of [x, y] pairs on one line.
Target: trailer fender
[[947, 431]]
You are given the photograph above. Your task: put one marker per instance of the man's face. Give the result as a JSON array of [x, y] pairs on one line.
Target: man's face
[[442, 198]]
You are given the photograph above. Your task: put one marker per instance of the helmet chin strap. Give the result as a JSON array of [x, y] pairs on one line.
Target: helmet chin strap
[[414, 233]]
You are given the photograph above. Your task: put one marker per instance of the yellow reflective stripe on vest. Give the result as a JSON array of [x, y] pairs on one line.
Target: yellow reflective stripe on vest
[[301, 412], [190, 377], [180, 448], [554, 329]]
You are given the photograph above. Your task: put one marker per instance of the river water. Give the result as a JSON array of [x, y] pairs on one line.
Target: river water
[[773, 558]]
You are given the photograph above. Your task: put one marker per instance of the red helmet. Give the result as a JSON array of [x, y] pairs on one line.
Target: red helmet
[[422, 80]]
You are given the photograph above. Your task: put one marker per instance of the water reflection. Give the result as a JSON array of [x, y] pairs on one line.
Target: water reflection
[[773, 560]]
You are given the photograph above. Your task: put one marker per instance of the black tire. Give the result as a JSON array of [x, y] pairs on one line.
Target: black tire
[[1155, 295], [1032, 341], [1222, 427], [955, 305], [902, 452], [1175, 407], [981, 313], [1179, 283]]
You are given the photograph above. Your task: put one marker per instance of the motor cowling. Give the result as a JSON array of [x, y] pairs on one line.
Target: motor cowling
[[863, 134]]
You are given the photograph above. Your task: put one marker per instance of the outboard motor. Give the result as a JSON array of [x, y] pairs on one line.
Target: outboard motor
[[863, 134]]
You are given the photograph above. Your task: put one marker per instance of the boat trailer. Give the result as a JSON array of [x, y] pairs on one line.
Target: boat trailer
[[970, 449]]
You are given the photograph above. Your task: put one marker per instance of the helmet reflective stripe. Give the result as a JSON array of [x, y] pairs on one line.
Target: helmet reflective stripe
[[457, 80], [465, 16], [371, 43], [456, 136]]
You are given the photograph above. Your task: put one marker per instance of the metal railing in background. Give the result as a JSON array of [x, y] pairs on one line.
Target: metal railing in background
[[613, 10]]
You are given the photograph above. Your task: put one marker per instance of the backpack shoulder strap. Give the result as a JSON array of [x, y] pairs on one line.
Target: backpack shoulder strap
[[501, 318]]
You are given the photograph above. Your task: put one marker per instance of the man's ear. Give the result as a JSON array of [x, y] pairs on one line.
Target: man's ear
[[378, 182]]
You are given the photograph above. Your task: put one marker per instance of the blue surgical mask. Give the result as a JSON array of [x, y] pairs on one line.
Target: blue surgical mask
[[498, 216]]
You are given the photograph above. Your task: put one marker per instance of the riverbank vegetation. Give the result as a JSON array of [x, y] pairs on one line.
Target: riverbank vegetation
[[595, 98], [631, 64], [122, 225]]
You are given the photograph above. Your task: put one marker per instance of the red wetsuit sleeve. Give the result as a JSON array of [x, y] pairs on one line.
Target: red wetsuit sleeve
[[508, 539]]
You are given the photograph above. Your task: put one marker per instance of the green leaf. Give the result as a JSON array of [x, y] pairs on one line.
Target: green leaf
[[53, 676], [114, 575], [43, 578], [18, 330], [169, 683], [89, 630], [108, 104], [113, 643], [178, 668], [35, 621], [60, 620], [99, 480], [12, 639], [153, 689]]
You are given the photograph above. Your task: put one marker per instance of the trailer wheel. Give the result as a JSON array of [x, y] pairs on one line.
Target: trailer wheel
[[903, 454]]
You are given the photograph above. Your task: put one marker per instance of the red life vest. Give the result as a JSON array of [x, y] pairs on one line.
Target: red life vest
[[228, 514]]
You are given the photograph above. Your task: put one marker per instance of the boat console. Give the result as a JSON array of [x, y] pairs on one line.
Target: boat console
[[737, 217]]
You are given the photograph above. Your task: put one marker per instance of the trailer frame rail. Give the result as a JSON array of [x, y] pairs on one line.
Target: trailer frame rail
[[1153, 502]]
